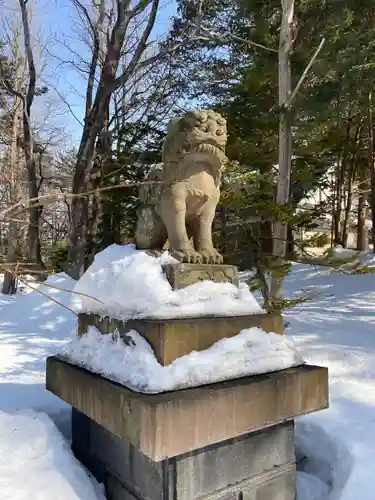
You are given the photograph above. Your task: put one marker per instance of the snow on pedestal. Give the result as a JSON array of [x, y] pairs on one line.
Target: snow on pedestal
[[251, 352], [125, 283]]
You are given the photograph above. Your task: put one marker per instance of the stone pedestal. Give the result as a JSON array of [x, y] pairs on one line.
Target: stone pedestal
[[226, 441], [260, 466], [173, 338], [181, 275]]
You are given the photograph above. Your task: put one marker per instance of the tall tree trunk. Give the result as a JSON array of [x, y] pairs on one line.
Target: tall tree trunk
[[351, 178], [266, 197], [79, 221], [348, 209], [35, 210], [79, 233], [285, 141], [95, 209], [340, 184], [336, 201], [101, 164], [373, 197], [290, 242], [372, 170], [362, 231], [338, 204], [9, 283], [95, 113], [33, 235]]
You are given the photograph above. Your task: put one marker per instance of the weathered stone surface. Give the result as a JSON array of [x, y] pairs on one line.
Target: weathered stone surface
[[179, 201], [170, 424], [173, 338], [116, 491], [181, 275], [121, 458], [254, 465], [276, 485], [237, 461]]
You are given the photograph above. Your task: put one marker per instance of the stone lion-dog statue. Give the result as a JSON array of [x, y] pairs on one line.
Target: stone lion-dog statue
[[179, 200]]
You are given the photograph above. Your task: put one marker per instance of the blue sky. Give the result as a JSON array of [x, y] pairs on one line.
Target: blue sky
[[69, 84]]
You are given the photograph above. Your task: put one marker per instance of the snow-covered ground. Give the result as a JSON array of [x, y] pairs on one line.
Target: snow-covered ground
[[336, 447], [31, 328], [337, 329], [35, 459]]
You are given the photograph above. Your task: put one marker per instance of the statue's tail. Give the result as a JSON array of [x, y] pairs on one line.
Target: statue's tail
[[149, 192], [151, 232]]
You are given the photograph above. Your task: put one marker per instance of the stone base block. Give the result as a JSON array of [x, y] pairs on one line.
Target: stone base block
[[166, 425], [173, 338], [257, 466], [181, 275], [272, 486]]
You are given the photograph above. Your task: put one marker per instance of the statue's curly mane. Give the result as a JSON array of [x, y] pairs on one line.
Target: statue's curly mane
[[187, 135]]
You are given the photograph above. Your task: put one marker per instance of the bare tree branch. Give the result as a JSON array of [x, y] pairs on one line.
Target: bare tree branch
[[304, 74], [122, 79], [95, 29], [24, 205], [212, 36]]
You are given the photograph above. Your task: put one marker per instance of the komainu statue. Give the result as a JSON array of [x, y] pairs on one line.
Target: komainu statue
[[179, 200]]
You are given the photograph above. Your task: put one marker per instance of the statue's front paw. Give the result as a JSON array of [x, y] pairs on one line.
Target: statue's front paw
[[188, 256], [211, 256]]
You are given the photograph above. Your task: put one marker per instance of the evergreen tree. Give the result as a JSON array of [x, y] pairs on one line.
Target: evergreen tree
[[234, 69]]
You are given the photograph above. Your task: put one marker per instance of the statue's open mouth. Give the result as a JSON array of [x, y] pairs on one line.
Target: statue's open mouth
[[205, 146], [215, 143]]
